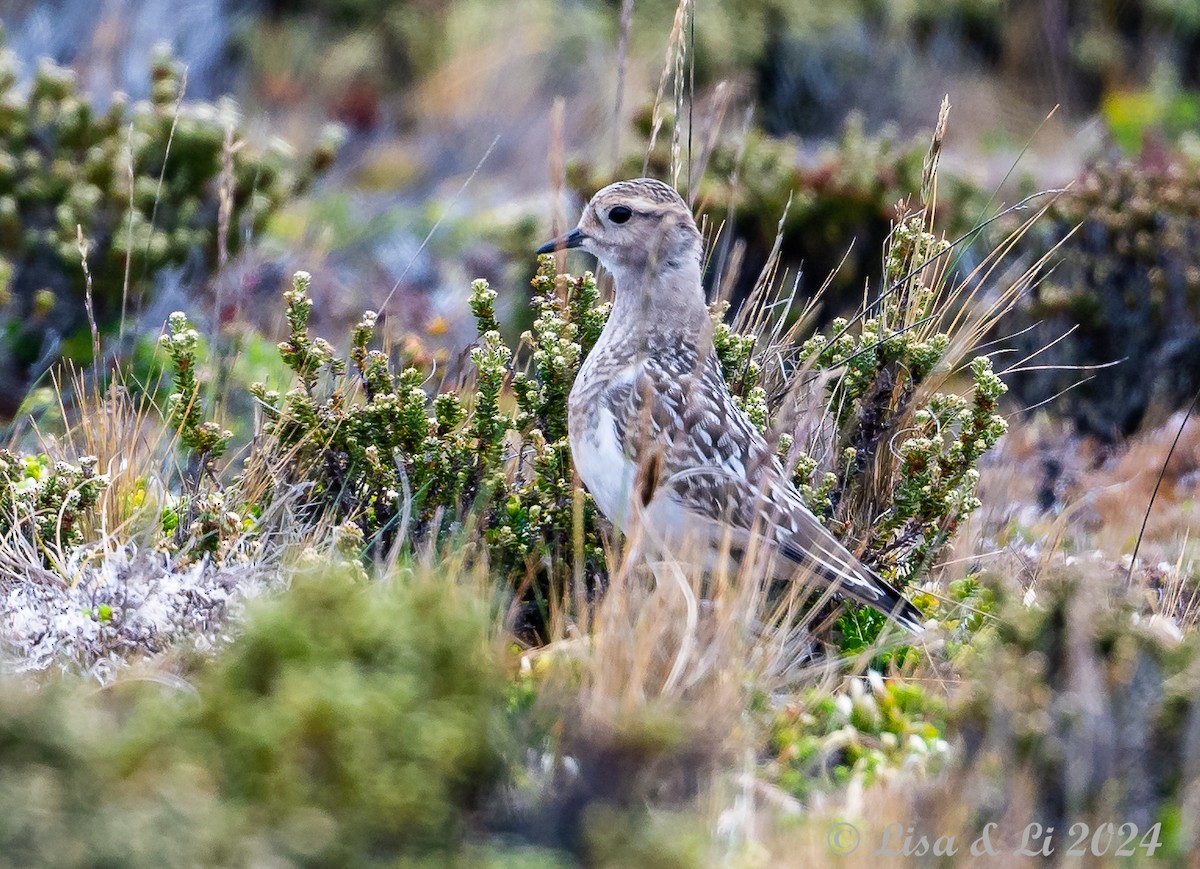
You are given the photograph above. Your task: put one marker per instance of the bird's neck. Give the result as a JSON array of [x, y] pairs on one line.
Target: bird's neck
[[666, 302]]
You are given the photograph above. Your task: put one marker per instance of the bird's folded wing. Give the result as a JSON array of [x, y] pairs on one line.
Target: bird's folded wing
[[709, 498], [679, 410], [696, 448]]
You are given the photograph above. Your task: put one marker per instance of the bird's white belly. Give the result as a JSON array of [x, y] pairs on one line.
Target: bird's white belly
[[604, 467]]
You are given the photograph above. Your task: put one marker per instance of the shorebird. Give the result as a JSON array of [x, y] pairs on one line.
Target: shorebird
[[654, 432]]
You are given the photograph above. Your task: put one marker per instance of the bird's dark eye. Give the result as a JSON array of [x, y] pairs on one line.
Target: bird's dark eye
[[619, 214]]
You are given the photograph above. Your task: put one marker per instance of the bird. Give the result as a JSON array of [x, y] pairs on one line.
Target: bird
[[654, 433]]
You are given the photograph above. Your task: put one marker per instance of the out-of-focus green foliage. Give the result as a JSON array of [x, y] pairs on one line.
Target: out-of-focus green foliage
[[1094, 707], [143, 182], [830, 215], [807, 53], [348, 720], [351, 56], [57, 791], [822, 740], [1137, 118], [350, 725], [1125, 286]]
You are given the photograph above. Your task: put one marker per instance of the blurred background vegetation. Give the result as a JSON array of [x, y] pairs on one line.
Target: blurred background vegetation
[[825, 106], [229, 647]]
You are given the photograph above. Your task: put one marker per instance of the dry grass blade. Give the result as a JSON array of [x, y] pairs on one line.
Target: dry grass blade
[[87, 291], [929, 168], [128, 238], [162, 173], [672, 64], [1158, 484], [124, 430], [437, 225], [558, 174], [722, 96], [225, 182], [667, 636]]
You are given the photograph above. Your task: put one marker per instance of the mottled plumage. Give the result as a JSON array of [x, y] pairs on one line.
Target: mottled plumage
[[656, 436]]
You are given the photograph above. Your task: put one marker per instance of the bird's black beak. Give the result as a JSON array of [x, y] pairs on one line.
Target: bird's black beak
[[574, 238]]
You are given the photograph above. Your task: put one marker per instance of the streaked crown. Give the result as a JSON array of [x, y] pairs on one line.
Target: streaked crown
[[643, 223]]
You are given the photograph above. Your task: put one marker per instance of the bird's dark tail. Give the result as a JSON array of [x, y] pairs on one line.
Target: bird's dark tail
[[834, 566]]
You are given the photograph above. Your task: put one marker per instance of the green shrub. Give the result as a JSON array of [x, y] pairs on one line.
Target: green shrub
[[185, 413], [910, 500], [410, 468], [1125, 285], [47, 503], [902, 467], [145, 182]]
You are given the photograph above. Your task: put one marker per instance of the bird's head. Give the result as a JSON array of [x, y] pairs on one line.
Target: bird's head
[[636, 228]]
